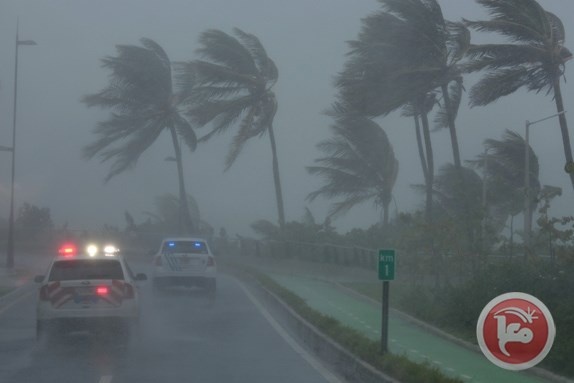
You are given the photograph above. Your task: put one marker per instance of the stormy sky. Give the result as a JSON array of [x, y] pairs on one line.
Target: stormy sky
[[306, 39]]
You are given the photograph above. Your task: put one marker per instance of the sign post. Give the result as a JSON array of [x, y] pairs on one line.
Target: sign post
[[386, 268]]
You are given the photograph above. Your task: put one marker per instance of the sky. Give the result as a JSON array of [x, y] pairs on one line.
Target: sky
[[307, 41]]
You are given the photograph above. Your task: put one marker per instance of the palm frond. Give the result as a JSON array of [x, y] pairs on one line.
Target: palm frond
[[225, 50], [497, 84], [455, 95], [125, 155], [265, 65], [244, 133], [185, 131], [458, 41], [520, 20]]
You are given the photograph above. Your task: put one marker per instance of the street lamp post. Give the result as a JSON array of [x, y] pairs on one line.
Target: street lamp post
[[527, 200], [10, 243]]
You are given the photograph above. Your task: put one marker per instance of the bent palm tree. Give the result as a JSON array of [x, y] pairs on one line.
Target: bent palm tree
[[232, 87], [534, 58], [143, 104], [403, 52], [359, 165], [503, 170]]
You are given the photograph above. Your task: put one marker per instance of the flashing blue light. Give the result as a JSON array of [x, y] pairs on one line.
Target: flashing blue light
[[171, 244], [197, 244]]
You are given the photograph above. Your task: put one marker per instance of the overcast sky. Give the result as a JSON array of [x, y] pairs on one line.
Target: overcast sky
[[306, 39]]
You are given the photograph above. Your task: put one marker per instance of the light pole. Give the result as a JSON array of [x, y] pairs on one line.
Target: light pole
[[10, 243], [484, 204], [527, 200]]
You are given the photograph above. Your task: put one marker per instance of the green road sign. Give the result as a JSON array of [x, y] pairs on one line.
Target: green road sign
[[386, 265]]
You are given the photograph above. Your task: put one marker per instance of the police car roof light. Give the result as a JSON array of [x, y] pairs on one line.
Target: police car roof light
[[67, 250]]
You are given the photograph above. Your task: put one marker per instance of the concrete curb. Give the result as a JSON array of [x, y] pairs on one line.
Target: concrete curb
[[343, 362], [536, 371]]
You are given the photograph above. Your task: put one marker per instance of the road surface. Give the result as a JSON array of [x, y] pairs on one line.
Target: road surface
[[187, 337]]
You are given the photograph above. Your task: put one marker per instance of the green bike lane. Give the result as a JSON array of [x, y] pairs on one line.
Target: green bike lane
[[405, 337]]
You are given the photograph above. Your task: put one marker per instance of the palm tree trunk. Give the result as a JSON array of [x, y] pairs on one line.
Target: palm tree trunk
[[430, 166], [420, 147], [563, 124], [386, 213], [277, 180], [451, 126], [185, 222], [458, 166]]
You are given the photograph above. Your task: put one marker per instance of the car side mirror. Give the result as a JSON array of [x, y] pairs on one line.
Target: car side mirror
[[39, 278], [141, 277]]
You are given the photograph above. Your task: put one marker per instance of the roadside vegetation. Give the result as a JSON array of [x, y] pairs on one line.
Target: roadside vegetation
[[397, 366]]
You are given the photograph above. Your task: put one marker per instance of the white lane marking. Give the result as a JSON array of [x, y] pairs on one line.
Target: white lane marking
[[8, 306], [328, 375], [106, 379]]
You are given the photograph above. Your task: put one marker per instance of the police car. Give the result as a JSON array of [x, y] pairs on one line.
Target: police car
[[184, 262], [90, 288]]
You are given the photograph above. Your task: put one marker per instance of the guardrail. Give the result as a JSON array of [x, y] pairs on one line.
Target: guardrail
[[413, 266]]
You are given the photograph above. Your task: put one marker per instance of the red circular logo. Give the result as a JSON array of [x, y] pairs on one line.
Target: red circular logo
[[515, 331]]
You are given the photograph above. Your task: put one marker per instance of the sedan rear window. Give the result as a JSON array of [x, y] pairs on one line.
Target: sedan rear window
[[186, 247], [86, 269]]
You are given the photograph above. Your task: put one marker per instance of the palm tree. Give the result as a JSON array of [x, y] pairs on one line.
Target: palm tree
[[232, 87], [534, 57], [359, 165], [143, 104], [405, 51], [503, 171]]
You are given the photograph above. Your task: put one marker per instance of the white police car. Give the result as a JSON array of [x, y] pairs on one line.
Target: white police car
[[89, 289], [184, 262]]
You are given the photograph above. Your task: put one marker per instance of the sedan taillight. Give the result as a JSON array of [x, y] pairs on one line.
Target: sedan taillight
[[210, 261]]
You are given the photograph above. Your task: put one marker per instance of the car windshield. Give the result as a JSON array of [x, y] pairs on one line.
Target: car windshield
[[80, 269], [184, 247]]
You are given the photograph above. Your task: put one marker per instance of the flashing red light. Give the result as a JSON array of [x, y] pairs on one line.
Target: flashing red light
[[102, 290], [68, 250]]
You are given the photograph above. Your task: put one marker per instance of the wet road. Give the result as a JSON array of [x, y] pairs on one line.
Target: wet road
[[186, 337]]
